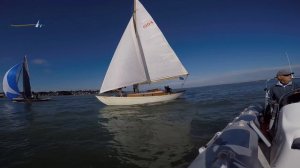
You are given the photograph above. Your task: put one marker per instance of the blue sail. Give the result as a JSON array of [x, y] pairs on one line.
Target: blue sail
[[10, 82]]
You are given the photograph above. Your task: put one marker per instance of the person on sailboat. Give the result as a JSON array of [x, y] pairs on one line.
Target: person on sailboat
[[168, 89], [36, 95], [284, 85], [120, 92], [136, 88]]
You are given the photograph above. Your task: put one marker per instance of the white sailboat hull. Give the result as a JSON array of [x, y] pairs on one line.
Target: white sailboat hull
[[112, 100]]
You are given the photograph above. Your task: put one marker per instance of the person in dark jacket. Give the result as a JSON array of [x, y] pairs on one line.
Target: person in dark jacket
[[136, 88], [283, 86]]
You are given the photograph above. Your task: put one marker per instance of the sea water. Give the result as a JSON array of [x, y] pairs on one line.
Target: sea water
[[79, 131]]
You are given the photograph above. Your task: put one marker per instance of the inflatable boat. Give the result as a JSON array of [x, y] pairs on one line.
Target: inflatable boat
[[266, 135]]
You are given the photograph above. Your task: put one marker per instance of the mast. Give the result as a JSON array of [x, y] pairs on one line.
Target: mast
[[287, 56], [26, 80], [139, 43]]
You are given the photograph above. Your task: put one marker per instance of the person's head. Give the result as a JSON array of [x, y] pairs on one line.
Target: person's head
[[284, 76]]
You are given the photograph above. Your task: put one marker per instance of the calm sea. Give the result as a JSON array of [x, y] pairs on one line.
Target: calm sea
[[79, 131]]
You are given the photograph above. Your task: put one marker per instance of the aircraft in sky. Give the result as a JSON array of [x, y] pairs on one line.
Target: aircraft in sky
[[37, 25]]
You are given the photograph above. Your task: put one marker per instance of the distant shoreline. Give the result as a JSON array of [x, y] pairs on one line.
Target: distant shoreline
[[63, 93]]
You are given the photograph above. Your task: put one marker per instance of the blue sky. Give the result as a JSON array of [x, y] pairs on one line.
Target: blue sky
[[218, 41]]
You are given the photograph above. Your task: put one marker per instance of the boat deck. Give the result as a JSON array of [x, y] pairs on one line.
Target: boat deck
[[153, 93]]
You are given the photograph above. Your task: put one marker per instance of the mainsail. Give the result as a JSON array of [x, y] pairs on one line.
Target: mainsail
[[26, 80], [161, 60], [143, 55], [10, 82]]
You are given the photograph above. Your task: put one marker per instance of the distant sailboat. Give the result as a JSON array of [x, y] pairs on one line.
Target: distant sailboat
[[36, 25], [143, 56], [10, 84]]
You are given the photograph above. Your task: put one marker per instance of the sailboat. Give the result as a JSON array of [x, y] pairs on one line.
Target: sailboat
[[143, 56], [36, 25], [10, 84]]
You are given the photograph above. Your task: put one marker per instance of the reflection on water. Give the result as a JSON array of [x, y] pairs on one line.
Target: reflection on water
[[15, 121], [15, 116], [79, 131], [149, 136]]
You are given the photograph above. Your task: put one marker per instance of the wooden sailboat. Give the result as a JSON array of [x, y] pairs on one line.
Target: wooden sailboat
[[10, 84], [143, 56]]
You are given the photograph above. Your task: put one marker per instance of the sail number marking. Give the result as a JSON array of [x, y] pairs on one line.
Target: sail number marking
[[148, 24]]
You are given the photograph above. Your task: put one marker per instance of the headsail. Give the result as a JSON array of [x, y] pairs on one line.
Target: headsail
[[126, 67], [162, 62], [26, 80], [10, 82]]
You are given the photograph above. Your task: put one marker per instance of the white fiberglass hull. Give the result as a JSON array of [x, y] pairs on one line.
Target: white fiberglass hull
[[112, 100]]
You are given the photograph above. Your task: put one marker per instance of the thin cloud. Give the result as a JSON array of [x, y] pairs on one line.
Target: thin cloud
[[39, 62], [241, 76]]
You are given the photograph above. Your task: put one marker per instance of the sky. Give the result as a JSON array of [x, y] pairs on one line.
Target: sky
[[218, 41]]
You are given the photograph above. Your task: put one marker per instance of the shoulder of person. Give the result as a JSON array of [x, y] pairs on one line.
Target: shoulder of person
[[273, 87]]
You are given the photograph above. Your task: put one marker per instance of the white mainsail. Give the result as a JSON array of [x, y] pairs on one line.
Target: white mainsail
[[161, 60], [127, 66]]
